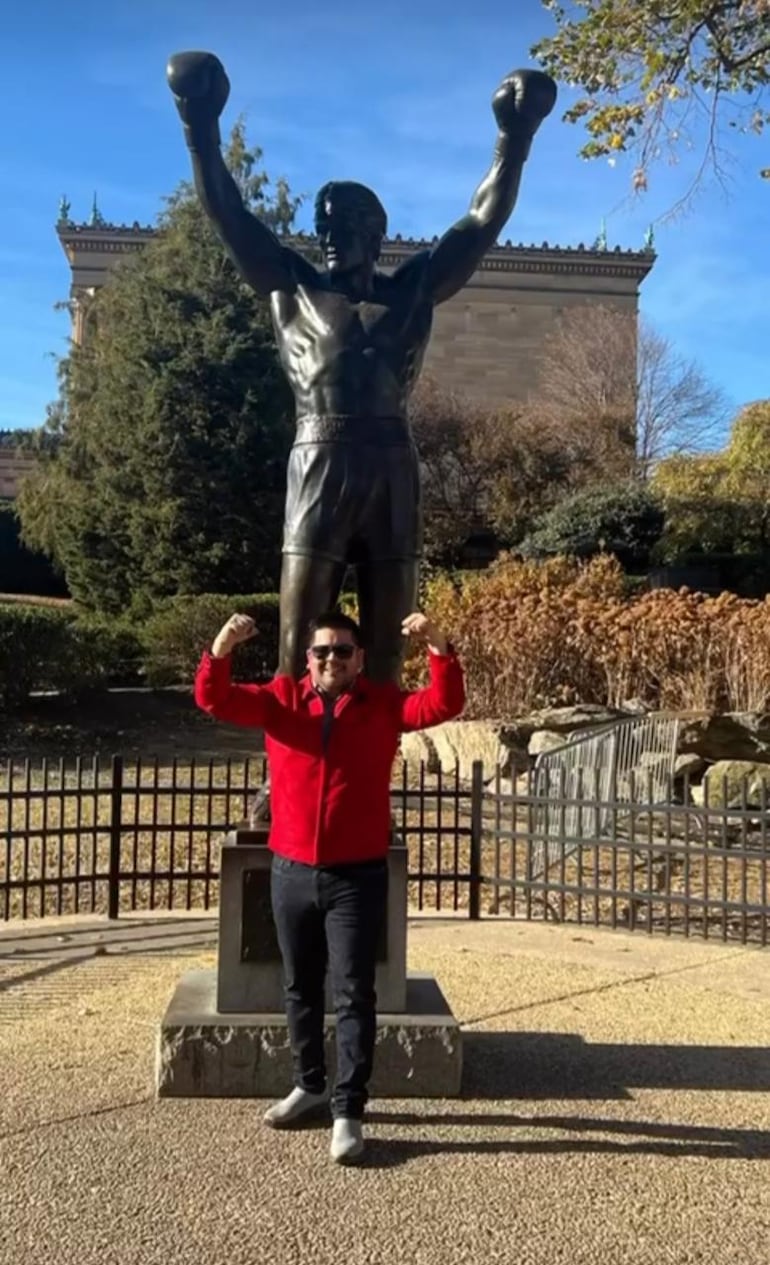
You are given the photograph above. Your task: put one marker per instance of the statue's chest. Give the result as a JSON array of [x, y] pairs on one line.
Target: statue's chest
[[378, 325]]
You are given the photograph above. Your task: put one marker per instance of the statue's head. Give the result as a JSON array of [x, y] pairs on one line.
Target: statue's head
[[350, 222]]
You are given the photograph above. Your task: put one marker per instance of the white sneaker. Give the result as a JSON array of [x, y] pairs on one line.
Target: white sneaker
[[297, 1107], [347, 1144]]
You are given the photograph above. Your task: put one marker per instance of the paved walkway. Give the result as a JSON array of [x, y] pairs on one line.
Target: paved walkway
[[616, 1109]]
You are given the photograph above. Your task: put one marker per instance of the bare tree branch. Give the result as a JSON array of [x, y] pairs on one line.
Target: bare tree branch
[[626, 391]]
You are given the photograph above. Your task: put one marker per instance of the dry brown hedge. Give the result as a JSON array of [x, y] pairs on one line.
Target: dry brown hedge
[[559, 632]]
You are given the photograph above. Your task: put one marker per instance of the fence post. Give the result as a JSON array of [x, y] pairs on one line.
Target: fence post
[[116, 800], [477, 796]]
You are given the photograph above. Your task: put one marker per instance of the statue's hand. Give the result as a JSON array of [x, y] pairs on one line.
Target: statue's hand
[[523, 100], [200, 85]]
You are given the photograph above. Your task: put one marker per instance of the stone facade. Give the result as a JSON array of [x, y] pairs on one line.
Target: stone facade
[[13, 466], [486, 340]]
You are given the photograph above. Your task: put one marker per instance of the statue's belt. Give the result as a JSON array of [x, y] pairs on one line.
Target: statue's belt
[[342, 428]]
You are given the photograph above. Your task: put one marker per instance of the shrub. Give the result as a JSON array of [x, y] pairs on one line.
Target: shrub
[[179, 630], [625, 520], [48, 648], [35, 649], [534, 635]]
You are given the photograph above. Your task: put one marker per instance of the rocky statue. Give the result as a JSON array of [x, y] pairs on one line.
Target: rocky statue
[[352, 340]]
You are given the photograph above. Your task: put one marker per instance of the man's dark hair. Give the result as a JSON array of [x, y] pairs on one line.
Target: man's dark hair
[[336, 620], [358, 199]]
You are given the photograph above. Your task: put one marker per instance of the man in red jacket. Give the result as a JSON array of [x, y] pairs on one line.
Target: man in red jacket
[[331, 738]]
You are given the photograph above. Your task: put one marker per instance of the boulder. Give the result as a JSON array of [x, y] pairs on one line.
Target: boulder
[[635, 707], [727, 781], [496, 745], [544, 740], [564, 720], [418, 749], [689, 765], [698, 795], [731, 736], [703, 738]]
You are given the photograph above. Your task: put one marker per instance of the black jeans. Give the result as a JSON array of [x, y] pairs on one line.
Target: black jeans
[[330, 917]]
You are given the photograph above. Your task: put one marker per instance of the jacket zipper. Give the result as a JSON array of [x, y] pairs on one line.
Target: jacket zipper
[[326, 736]]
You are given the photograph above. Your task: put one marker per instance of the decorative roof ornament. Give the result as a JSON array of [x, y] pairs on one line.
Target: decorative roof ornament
[[64, 210], [97, 220], [649, 239], [601, 241]]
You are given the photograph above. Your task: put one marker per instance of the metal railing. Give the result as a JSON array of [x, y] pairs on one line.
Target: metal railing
[[108, 836], [95, 836], [629, 760]]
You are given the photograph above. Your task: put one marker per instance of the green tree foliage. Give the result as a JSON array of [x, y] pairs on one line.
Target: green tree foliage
[[720, 502], [649, 69], [625, 520], [162, 465], [748, 452]]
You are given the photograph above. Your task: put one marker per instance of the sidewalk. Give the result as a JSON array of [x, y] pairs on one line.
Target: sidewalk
[[616, 1109]]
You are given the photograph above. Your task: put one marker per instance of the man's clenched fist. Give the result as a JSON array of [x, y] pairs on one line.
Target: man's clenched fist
[[200, 85], [237, 629], [523, 100], [418, 625]]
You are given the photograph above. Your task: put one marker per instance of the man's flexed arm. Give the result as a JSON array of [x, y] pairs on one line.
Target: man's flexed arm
[[520, 104], [201, 88]]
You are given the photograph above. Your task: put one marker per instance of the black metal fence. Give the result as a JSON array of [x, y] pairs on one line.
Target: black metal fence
[[110, 836]]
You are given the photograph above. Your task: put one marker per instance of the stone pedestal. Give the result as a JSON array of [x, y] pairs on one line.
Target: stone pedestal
[[203, 1053], [225, 1034], [249, 975]]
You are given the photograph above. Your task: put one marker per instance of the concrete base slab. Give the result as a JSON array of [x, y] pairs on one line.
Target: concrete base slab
[[202, 1053]]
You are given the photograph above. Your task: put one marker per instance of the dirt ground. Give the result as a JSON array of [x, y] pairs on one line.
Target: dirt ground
[[130, 722]]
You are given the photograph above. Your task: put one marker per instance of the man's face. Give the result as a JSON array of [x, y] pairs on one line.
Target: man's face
[[344, 242], [334, 660]]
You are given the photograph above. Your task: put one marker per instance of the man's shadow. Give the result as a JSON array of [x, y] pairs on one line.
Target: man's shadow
[[537, 1066]]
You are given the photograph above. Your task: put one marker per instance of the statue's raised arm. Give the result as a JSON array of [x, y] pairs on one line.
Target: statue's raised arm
[[523, 100], [201, 88]]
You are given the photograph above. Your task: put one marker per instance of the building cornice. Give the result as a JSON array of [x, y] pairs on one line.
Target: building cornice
[[503, 257]]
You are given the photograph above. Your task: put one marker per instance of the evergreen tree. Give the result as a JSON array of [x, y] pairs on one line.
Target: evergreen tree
[[163, 463]]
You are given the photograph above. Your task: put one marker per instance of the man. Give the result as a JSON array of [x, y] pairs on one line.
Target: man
[[352, 341], [331, 737]]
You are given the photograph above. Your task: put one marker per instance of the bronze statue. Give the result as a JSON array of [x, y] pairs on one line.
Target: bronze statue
[[352, 341]]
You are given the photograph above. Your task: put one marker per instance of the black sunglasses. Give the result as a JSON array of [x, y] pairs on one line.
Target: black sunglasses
[[342, 650]]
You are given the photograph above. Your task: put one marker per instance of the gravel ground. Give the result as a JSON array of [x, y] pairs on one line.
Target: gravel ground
[[616, 1108]]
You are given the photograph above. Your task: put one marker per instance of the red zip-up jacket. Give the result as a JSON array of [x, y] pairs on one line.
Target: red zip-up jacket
[[330, 803]]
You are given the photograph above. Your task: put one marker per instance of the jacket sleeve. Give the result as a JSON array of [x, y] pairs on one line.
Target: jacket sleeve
[[253, 706], [442, 700]]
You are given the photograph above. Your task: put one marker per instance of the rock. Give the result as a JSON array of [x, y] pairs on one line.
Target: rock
[[507, 786], [703, 738], [417, 749], [564, 720], [689, 765], [727, 781], [496, 745], [635, 707], [731, 736], [544, 740]]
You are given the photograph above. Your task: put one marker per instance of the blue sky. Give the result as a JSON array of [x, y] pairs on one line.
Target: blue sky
[[396, 95]]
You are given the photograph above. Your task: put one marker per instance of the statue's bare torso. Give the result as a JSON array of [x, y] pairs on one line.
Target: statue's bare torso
[[353, 358]]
